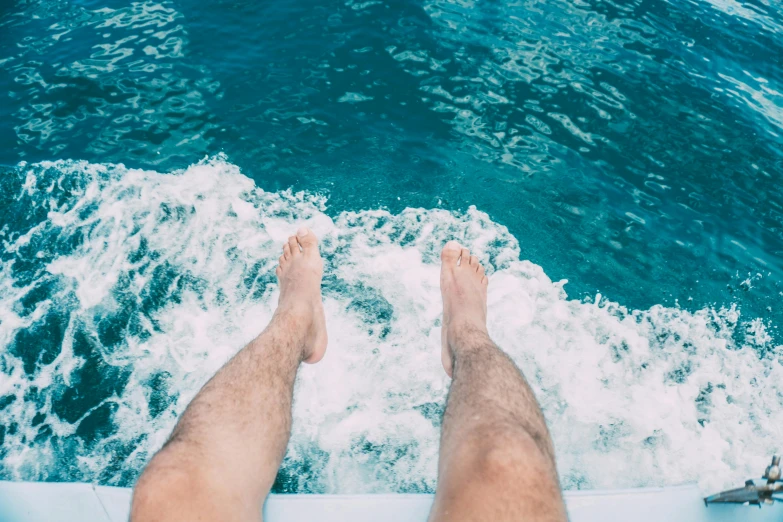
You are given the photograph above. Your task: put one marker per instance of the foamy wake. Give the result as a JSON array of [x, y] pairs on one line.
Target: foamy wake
[[165, 276]]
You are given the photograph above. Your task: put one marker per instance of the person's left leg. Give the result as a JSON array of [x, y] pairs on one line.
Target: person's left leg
[[223, 456]]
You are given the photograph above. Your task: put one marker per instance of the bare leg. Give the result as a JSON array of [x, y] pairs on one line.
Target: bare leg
[[496, 458], [223, 456]]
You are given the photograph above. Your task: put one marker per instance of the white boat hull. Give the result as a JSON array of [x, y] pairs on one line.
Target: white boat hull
[[73, 502]]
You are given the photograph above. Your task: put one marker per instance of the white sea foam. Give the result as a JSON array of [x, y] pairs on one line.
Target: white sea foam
[[633, 397]]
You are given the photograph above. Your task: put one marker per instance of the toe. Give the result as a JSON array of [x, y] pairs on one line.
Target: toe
[[293, 246], [474, 262], [307, 239], [450, 253], [286, 251], [485, 280], [480, 270], [464, 257]]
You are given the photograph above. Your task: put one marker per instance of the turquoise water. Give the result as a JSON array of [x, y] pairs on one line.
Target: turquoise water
[[154, 155]]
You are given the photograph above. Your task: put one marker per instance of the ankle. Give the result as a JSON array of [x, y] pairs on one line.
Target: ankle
[[290, 328], [464, 338]]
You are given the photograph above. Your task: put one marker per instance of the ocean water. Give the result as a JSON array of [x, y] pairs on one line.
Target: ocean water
[[616, 165]]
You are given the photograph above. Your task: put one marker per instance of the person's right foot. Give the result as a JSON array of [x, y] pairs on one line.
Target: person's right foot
[[299, 274], [463, 286]]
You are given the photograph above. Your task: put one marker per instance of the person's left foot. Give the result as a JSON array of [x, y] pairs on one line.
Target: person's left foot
[[299, 274], [463, 286]]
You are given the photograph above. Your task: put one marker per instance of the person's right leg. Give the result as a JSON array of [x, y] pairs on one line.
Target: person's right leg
[[496, 457], [223, 456]]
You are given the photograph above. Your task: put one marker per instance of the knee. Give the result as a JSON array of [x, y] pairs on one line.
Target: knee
[[154, 491], [513, 458], [510, 474], [162, 487]]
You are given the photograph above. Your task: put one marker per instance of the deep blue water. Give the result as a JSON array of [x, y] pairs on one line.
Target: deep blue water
[[633, 148]]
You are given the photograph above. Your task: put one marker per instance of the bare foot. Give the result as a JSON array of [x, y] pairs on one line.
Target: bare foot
[[299, 275], [463, 286]]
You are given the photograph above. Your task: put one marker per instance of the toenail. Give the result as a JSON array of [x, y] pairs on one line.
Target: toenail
[[302, 232], [453, 245]]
